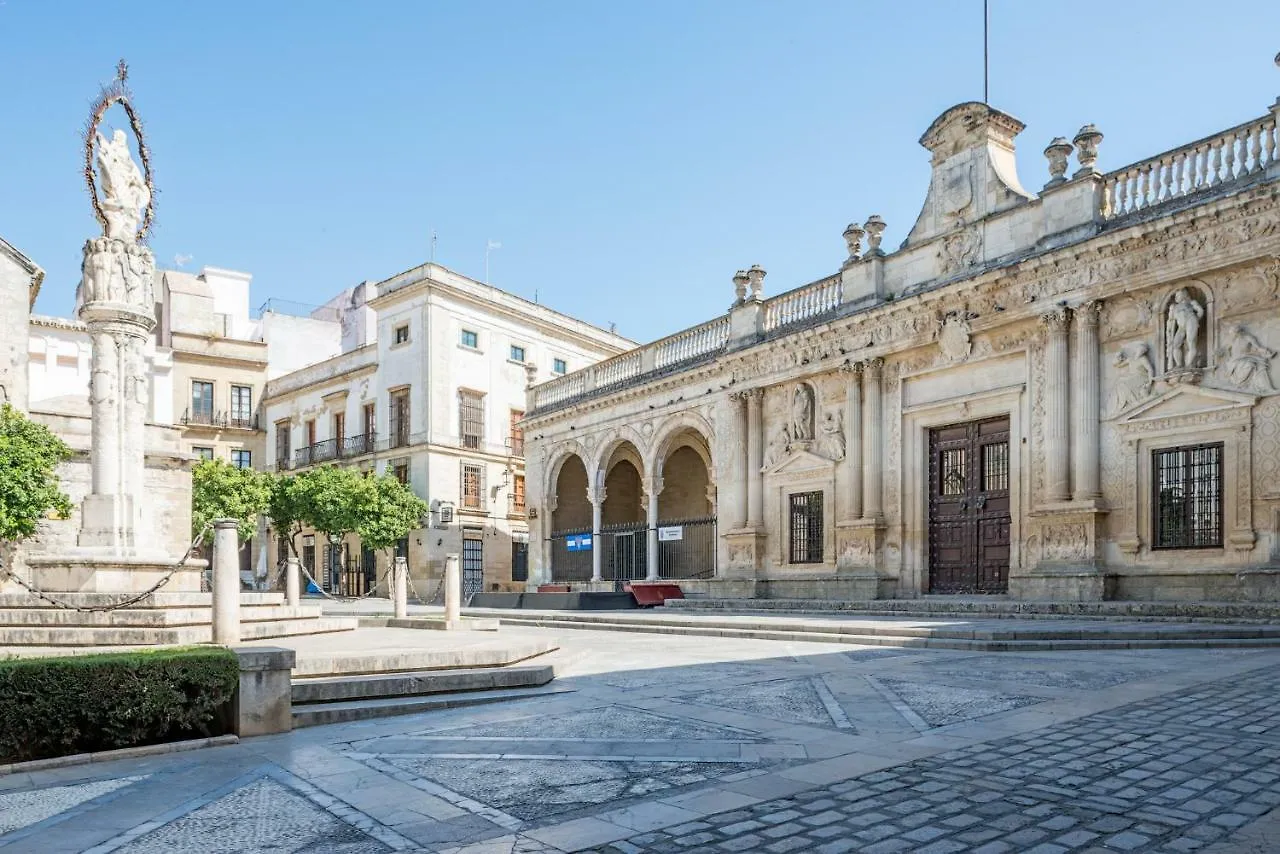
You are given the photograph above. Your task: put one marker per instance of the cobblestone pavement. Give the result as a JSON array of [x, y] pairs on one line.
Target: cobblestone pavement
[[672, 743]]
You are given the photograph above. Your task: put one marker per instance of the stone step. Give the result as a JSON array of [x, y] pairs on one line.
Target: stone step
[[358, 710], [992, 607], [149, 617], [911, 637], [11, 599], [76, 636], [410, 660], [379, 686]]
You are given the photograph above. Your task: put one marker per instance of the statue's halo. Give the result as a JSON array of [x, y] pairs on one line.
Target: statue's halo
[[118, 93]]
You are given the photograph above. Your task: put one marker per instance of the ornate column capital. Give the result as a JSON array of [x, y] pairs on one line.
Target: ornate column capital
[[873, 369], [651, 486], [854, 369], [596, 494], [1089, 313], [1056, 319]]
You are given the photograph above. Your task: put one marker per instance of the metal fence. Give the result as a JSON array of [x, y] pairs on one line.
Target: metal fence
[[687, 548], [567, 562], [624, 551]]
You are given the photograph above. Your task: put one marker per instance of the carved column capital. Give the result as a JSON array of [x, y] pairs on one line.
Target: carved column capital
[[651, 486], [1056, 320], [854, 369], [873, 369], [596, 494], [1090, 313]]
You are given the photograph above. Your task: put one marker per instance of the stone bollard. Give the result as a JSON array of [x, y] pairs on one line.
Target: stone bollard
[[293, 582], [400, 587], [452, 593], [226, 582], [264, 699]]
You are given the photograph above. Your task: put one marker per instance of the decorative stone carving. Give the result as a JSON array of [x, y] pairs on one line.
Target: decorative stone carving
[[954, 336], [740, 282], [1182, 333], [1064, 542], [831, 442], [1135, 376], [853, 242], [1087, 140], [1125, 315], [124, 188], [779, 444], [1057, 152], [960, 250], [1247, 363], [802, 413], [875, 227], [755, 276]]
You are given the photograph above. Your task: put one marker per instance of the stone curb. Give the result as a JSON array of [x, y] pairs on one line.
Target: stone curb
[[122, 753]]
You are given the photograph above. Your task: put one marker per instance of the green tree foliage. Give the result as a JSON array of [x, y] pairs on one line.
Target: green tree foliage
[[333, 500], [394, 512], [286, 508], [220, 490], [29, 487]]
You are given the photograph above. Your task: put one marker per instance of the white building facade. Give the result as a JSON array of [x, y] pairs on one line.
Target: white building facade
[[431, 387]]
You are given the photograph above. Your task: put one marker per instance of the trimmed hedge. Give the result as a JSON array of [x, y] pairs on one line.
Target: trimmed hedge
[[59, 706]]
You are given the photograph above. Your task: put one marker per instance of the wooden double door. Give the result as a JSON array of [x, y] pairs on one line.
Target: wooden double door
[[969, 507]]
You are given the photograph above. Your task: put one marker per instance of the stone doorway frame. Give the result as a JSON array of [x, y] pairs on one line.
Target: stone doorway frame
[[917, 421]]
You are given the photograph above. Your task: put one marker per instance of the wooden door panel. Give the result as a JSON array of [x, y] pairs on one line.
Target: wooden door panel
[[969, 507]]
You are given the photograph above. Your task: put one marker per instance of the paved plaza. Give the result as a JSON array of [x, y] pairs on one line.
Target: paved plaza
[[675, 743]]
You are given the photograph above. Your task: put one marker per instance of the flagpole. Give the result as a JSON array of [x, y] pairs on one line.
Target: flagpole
[[986, 26]]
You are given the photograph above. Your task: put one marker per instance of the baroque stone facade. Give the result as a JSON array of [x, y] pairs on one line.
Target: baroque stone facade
[[1064, 395]]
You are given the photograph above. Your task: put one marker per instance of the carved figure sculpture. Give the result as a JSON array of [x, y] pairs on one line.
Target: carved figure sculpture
[[1248, 364], [831, 443], [778, 446], [802, 414], [1182, 332], [123, 185], [1135, 376]]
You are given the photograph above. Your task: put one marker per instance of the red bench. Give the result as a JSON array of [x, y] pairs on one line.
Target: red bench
[[649, 595], [553, 588]]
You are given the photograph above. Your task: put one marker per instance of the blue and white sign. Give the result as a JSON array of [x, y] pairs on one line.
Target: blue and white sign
[[578, 542]]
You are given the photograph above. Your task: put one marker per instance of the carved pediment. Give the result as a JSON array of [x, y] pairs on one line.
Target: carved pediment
[[1187, 405], [801, 461]]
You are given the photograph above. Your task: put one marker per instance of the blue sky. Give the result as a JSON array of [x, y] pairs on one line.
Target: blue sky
[[628, 156]]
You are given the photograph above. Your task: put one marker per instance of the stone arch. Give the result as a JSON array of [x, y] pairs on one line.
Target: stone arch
[[623, 471], [685, 428], [682, 457], [610, 443], [571, 508], [559, 456]]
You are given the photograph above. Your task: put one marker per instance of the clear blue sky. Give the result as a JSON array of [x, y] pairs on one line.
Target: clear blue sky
[[629, 156]]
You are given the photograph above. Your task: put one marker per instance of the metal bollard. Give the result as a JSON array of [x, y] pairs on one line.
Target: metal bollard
[[400, 587], [293, 582], [452, 593], [226, 582]]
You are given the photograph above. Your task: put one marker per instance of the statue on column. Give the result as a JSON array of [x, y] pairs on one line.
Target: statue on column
[[124, 188]]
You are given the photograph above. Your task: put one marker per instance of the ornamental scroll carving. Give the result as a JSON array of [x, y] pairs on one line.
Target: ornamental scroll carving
[[954, 336]]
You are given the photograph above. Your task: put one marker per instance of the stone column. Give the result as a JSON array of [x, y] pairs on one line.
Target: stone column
[[1086, 403], [1057, 413], [400, 587], [853, 440], [226, 582], [872, 440], [755, 458], [652, 487], [293, 582], [742, 462], [452, 592], [596, 495]]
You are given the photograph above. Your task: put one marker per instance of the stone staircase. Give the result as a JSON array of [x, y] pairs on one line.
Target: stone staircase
[[161, 618]]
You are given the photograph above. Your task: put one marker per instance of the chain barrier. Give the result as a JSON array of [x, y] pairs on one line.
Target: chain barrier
[[373, 589], [132, 600]]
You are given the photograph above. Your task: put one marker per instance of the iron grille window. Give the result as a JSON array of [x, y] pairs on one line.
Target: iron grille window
[[517, 435], [398, 418], [806, 527], [472, 486], [402, 334], [283, 450], [241, 405], [201, 402], [954, 472], [472, 562], [995, 467], [401, 472], [241, 458], [370, 421], [1187, 499], [519, 557], [517, 494], [471, 418]]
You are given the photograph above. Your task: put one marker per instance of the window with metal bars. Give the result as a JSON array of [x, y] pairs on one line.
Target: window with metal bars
[[516, 441], [806, 527], [398, 418], [954, 472], [472, 562], [995, 467], [472, 486], [1187, 497], [470, 418]]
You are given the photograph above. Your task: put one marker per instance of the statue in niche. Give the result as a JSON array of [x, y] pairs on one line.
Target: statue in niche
[[1135, 376], [1248, 362], [831, 443], [124, 188], [1182, 332], [802, 414]]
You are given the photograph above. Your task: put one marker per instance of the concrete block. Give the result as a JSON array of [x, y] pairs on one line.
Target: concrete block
[[264, 699]]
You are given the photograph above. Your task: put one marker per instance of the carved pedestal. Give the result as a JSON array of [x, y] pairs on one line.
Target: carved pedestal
[[1063, 560], [859, 544], [746, 553]]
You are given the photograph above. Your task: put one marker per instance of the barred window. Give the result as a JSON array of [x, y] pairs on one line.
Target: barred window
[[401, 334], [806, 527], [517, 494], [472, 486], [471, 418], [1187, 497], [398, 418]]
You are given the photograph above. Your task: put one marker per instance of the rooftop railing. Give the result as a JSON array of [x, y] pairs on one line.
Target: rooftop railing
[[802, 304]]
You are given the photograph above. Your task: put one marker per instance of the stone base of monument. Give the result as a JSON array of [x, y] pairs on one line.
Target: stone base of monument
[[160, 618], [90, 573]]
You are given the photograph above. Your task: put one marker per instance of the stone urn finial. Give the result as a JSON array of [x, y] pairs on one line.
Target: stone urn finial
[[756, 276], [1057, 153], [1086, 140], [875, 233], [853, 241], [740, 287], [531, 373]]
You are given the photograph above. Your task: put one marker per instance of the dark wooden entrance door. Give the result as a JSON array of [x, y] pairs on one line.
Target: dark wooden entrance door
[[969, 507]]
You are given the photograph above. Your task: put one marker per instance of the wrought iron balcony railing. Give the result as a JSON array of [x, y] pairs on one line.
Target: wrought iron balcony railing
[[209, 418]]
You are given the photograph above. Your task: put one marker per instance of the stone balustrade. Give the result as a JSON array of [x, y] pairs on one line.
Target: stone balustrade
[[803, 303], [691, 343], [1224, 158]]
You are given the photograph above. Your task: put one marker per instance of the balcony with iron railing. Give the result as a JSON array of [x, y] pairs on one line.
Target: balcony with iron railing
[[516, 505], [200, 417], [328, 450]]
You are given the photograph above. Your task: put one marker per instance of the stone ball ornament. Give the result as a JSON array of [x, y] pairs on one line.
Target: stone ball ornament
[[125, 207]]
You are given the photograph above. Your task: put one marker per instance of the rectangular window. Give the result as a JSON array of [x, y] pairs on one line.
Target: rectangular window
[[401, 334], [470, 418], [241, 406], [472, 562], [806, 527], [517, 495], [517, 353], [339, 427], [201, 402], [398, 418], [519, 556], [241, 459], [472, 486], [954, 472], [1187, 499], [203, 453], [516, 442], [401, 472], [995, 467], [283, 449], [470, 339], [558, 366], [370, 421]]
